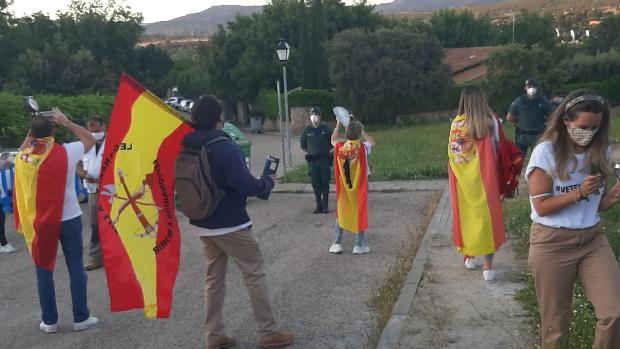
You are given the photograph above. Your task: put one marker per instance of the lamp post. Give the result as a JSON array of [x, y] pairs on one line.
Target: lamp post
[[284, 50], [281, 130]]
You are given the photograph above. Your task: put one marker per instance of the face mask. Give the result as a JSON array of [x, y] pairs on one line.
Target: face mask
[[580, 136], [98, 135], [531, 91], [314, 119]]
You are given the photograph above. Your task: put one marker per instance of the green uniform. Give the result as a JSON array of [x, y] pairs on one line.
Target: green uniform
[[531, 116], [316, 142]]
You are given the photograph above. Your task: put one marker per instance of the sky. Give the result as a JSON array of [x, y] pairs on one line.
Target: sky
[[153, 11]]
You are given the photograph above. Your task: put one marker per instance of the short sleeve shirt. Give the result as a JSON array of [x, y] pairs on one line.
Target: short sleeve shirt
[[531, 113], [71, 208], [581, 215]]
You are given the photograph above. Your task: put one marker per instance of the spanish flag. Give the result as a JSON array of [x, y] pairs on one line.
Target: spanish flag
[[477, 223], [137, 225], [351, 176], [38, 197]]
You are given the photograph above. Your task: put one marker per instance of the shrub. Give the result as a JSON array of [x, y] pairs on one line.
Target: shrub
[[267, 101], [610, 88], [586, 68], [14, 120]]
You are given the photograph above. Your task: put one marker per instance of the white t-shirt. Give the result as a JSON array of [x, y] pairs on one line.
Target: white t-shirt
[[368, 147], [581, 215], [198, 231], [71, 207]]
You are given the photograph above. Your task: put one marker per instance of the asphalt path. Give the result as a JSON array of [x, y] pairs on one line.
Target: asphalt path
[[320, 296]]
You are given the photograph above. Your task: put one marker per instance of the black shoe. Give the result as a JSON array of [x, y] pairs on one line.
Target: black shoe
[[325, 209], [318, 209]]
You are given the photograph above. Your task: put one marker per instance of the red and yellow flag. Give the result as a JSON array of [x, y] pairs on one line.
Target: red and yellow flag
[[351, 176], [477, 223], [38, 197], [137, 225]]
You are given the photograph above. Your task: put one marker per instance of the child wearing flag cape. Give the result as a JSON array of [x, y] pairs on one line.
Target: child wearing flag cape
[[477, 224], [351, 173]]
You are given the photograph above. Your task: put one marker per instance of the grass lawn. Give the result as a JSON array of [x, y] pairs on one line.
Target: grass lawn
[[415, 152], [516, 219]]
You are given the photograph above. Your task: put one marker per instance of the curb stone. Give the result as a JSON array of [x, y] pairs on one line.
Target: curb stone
[[391, 334], [374, 187]]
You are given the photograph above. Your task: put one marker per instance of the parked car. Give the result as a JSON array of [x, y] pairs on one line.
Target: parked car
[[174, 101], [184, 105]]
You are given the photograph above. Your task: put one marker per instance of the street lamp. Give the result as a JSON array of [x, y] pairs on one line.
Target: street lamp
[[284, 50]]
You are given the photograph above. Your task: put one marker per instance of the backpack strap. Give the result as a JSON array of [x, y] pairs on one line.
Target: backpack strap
[[205, 147], [216, 139]]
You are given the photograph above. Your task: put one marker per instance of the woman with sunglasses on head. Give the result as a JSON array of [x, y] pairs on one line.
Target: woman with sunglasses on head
[[566, 176]]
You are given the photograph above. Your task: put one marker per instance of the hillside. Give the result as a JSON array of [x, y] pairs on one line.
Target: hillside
[[199, 24], [398, 6], [205, 23], [500, 9]]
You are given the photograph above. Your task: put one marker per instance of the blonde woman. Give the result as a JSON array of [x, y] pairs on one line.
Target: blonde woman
[[474, 183], [566, 176]]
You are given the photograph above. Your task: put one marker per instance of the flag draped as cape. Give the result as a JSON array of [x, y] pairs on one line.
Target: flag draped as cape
[[38, 198], [477, 223], [351, 176], [138, 228]]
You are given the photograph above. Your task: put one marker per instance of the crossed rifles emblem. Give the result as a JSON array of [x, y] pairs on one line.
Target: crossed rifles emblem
[[134, 201]]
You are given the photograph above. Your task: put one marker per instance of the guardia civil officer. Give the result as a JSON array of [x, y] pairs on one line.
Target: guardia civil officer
[[529, 112], [316, 142]]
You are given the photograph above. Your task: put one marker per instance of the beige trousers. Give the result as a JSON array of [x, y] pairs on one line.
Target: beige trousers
[[559, 257], [243, 248]]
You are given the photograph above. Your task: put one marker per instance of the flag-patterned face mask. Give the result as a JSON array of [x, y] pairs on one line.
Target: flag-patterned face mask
[[580, 136]]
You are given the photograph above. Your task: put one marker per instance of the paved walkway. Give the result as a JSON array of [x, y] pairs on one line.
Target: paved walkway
[[444, 305], [320, 296]]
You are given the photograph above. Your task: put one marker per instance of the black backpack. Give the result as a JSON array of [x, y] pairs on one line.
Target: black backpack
[[194, 184]]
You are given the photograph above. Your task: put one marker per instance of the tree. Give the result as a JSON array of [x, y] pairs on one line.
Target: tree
[[383, 74], [530, 29], [606, 35], [511, 65], [84, 50], [241, 58], [461, 29]]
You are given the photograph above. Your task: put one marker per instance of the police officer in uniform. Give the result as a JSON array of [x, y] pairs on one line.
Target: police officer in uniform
[[530, 113], [316, 142]]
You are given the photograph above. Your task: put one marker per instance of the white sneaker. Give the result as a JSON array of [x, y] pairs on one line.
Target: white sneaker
[[48, 328], [361, 250], [336, 248], [470, 263], [86, 324], [8, 248], [488, 274]]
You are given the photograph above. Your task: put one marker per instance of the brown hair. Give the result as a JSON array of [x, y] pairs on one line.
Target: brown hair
[[353, 131], [479, 116], [564, 147]]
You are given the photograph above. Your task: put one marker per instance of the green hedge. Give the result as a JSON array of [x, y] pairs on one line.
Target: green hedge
[[14, 120], [610, 88], [267, 102]]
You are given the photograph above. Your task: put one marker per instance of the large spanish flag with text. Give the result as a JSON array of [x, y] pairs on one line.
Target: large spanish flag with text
[[477, 224], [38, 198], [351, 176], [138, 229]]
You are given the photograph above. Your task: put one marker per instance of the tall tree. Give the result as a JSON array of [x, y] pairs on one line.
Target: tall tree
[[461, 29], [319, 37], [386, 73]]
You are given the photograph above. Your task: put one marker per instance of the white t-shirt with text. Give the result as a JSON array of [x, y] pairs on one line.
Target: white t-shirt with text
[[581, 215]]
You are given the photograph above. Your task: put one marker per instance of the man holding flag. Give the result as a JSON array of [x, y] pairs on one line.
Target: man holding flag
[[47, 210]]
